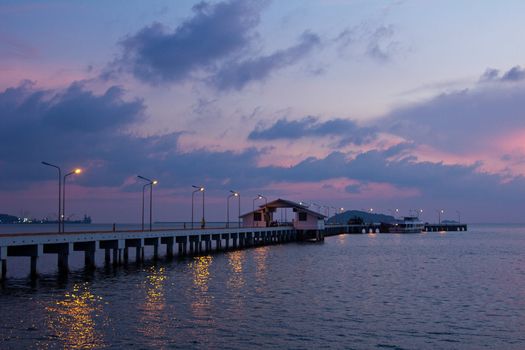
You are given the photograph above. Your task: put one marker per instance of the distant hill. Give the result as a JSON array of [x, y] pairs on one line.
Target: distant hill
[[8, 219], [363, 215]]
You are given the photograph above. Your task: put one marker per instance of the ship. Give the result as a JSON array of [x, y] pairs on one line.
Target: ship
[[409, 224]]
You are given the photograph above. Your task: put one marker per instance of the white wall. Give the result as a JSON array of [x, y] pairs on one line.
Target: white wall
[[311, 223]]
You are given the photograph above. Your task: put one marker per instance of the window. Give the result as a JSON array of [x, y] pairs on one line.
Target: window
[[257, 217], [302, 216]]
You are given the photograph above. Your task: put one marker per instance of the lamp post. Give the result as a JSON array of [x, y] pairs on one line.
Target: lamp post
[[198, 189], [59, 192], [459, 216], [440, 211], [74, 172], [260, 196], [233, 194], [150, 183]]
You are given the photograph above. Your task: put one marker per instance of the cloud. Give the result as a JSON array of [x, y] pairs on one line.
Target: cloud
[[514, 74], [217, 44], [36, 127], [310, 126], [76, 127], [237, 74], [375, 41], [157, 54], [460, 121], [381, 45]]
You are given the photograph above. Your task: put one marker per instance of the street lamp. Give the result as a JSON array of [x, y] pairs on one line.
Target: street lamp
[[150, 183], [74, 172], [459, 216], [233, 194], [198, 189], [59, 192], [259, 196]]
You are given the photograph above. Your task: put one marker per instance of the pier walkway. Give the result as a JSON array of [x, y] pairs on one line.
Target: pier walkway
[[117, 244]]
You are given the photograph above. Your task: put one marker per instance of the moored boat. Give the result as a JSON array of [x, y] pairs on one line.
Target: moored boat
[[409, 224]]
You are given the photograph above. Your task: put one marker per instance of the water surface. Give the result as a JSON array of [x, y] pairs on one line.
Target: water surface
[[428, 291]]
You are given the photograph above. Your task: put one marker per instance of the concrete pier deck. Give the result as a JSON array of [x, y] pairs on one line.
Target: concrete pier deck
[[117, 244]]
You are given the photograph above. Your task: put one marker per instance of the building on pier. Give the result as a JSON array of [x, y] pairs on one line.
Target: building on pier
[[304, 218]]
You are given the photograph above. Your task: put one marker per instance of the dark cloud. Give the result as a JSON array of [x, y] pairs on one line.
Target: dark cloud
[[217, 44], [460, 121], [157, 54], [283, 128], [77, 127], [236, 75], [514, 74]]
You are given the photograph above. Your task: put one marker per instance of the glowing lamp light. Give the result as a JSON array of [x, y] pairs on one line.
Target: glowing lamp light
[[77, 171], [154, 182]]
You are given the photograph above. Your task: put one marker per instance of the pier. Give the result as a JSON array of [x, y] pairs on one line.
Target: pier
[[259, 228], [118, 245]]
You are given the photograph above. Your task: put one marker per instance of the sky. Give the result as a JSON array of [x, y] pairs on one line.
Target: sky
[[346, 103]]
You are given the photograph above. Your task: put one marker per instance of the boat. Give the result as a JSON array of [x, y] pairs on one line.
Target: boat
[[409, 224]]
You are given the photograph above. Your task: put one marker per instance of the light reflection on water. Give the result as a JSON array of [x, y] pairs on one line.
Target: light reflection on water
[[428, 291], [73, 318], [201, 305], [259, 255], [236, 260], [153, 309]]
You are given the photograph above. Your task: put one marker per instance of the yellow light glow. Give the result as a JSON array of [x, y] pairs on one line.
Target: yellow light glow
[[78, 171]]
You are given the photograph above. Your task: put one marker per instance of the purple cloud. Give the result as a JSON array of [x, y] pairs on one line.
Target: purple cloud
[[157, 54], [310, 126], [238, 74]]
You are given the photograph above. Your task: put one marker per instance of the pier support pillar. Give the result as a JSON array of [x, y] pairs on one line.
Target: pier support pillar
[[194, 244], [182, 242], [226, 237], [168, 241], [242, 239], [63, 262], [137, 254], [115, 257], [3, 260], [3, 270], [34, 272], [107, 255], [218, 241], [89, 258], [89, 251], [62, 250], [126, 256], [155, 243], [234, 240]]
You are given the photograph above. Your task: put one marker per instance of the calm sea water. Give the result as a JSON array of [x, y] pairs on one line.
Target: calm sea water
[[463, 290]]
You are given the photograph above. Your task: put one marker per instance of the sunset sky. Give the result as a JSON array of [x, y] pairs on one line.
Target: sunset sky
[[359, 104]]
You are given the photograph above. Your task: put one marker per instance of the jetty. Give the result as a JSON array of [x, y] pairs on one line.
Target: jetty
[[120, 247]]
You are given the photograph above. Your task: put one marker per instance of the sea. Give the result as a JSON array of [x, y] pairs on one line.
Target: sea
[[454, 290]]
